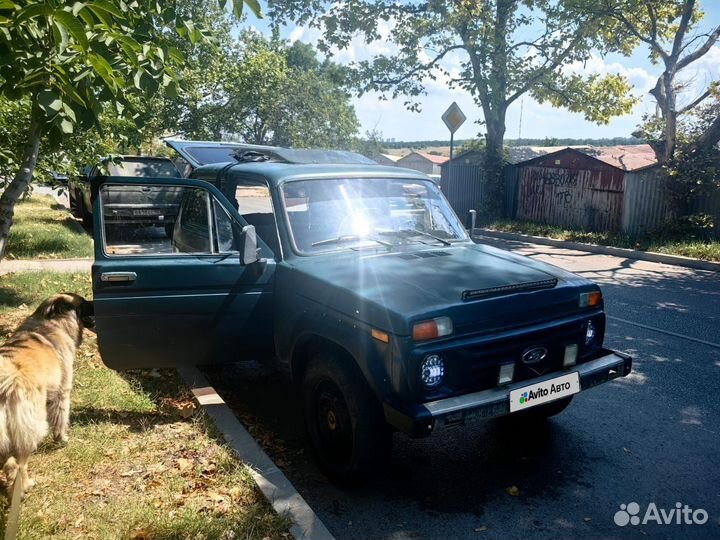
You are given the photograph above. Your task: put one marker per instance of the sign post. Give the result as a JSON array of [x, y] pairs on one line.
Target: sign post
[[453, 118]]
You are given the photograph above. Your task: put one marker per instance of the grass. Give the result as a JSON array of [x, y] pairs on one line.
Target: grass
[[141, 463], [668, 243], [43, 230]]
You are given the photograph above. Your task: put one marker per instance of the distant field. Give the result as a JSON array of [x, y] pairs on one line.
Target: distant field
[[439, 150]]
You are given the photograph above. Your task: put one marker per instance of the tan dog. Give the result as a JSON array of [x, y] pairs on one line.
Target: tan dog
[[36, 372]]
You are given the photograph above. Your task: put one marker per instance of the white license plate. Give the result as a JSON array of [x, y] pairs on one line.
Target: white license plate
[[145, 212], [543, 392]]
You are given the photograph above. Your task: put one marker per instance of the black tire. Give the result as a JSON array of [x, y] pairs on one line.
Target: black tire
[[344, 420], [546, 410]]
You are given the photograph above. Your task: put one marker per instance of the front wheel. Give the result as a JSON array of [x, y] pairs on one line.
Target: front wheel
[[344, 420]]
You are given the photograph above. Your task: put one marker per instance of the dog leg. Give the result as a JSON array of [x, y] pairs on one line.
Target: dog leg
[[10, 470], [59, 415], [26, 483]]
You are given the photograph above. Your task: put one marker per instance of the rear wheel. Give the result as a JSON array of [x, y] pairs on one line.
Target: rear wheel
[[344, 421]]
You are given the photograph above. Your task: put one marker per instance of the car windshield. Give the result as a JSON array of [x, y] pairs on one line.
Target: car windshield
[[336, 214]]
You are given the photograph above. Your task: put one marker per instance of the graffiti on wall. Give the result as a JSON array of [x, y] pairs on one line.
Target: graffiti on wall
[[538, 178]]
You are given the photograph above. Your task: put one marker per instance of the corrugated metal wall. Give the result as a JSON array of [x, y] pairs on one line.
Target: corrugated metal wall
[[709, 203], [646, 205], [465, 189], [571, 190]]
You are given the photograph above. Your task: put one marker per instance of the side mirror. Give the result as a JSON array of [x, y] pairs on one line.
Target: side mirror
[[248, 246]]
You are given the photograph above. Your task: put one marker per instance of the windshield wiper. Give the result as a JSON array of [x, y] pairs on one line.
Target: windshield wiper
[[416, 232], [350, 238]]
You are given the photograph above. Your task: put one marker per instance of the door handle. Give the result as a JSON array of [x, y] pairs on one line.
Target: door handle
[[116, 277]]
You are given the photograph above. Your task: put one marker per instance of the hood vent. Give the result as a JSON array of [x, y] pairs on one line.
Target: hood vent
[[509, 289], [424, 255]]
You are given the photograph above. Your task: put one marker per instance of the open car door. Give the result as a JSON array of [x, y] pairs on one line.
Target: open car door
[[188, 295]]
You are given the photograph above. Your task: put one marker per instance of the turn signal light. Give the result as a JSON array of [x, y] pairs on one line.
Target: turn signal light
[[590, 299], [434, 328]]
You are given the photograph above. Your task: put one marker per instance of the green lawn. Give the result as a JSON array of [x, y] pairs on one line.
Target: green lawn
[[141, 463], [42, 229], [668, 243]]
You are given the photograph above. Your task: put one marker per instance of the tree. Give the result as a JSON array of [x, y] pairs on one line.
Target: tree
[[667, 28], [507, 48], [266, 92], [70, 59]]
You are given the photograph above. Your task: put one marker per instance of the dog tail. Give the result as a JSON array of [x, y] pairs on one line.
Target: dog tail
[[23, 416]]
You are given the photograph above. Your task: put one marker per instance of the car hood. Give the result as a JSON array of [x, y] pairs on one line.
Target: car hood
[[480, 287]]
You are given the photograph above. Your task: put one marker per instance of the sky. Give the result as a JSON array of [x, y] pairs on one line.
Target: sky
[[526, 117]]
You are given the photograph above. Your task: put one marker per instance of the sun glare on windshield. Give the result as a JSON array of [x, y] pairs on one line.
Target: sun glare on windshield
[[339, 214]]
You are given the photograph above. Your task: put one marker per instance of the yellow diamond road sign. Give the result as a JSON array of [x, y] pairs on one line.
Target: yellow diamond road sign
[[453, 117]]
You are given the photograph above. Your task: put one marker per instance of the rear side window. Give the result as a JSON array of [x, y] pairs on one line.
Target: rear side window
[[144, 220], [144, 168]]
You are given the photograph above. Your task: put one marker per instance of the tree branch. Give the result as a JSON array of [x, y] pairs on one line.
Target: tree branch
[[654, 45], [423, 67], [695, 103], [682, 29], [709, 42], [544, 70]]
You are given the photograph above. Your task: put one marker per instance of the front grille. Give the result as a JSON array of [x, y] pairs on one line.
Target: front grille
[[476, 368]]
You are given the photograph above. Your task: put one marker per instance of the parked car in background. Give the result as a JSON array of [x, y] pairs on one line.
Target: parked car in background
[[361, 282], [128, 206]]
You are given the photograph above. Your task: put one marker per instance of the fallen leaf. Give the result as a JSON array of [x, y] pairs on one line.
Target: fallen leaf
[[513, 491], [183, 463], [130, 473]]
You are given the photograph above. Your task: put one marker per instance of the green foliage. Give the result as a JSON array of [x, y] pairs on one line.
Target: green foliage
[[496, 67], [370, 145], [265, 92], [598, 98]]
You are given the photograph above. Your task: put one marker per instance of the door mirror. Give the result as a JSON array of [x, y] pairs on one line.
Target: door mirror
[[248, 246]]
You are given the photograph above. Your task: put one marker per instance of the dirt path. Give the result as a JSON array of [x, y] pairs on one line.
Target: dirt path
[[54, 265]]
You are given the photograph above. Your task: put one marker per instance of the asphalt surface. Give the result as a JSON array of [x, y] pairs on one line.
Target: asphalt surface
[[651, 437]]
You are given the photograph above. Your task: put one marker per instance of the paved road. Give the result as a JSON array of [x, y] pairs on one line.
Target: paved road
[[651, 437]]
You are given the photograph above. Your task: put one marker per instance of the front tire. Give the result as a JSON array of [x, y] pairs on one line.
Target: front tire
[[344, 420]]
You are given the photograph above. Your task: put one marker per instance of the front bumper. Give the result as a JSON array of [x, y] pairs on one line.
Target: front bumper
[[420, 420]]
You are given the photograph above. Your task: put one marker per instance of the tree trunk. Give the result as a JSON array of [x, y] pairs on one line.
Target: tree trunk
[[493, 206], [22, 180]]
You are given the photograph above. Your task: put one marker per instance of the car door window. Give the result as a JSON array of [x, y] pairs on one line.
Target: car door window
[[254, 204], [163, 220], [224, 233]]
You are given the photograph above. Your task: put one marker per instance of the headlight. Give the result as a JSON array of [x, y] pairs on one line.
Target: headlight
[[434, 328], [590, 333], [432, 370]]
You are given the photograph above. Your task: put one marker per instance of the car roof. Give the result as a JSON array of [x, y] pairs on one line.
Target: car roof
[[276, 173]]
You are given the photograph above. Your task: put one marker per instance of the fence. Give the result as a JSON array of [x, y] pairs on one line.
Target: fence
[[465, 188], [646, 204], [635, 203]]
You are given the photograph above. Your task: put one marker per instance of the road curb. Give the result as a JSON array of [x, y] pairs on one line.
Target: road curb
[[273, 483], [650, 256]]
